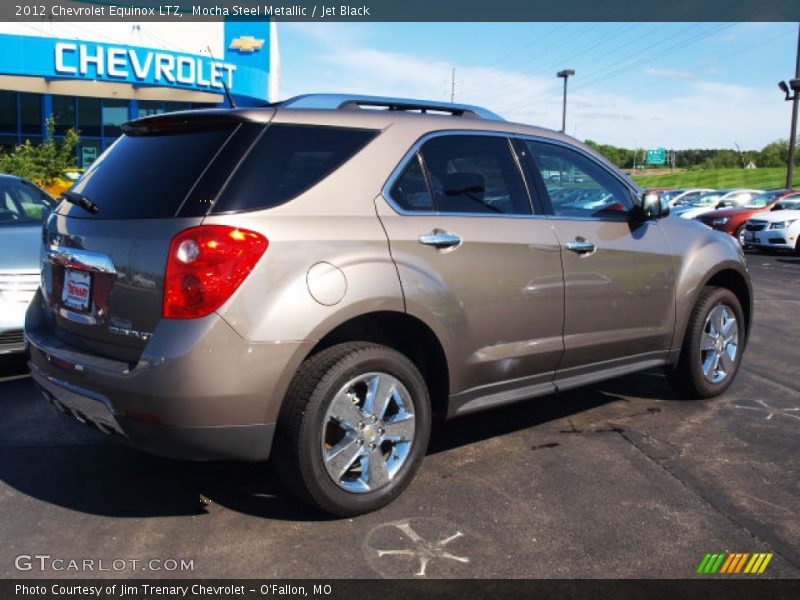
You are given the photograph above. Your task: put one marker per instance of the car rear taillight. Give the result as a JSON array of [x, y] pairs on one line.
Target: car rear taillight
[[205, 266]]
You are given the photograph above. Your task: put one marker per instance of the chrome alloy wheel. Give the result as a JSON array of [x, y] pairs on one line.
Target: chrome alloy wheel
[[368, 432], [719, 343]]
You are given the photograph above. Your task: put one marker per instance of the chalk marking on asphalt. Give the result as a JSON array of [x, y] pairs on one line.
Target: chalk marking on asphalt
[[423, 550], [771, 410]]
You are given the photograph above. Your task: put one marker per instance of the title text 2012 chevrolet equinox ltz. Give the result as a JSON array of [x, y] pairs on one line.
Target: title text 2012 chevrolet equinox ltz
[[314, 280]]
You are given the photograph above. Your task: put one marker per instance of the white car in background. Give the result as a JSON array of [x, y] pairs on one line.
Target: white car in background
[[687, 196], [775, 230], [731, 199]]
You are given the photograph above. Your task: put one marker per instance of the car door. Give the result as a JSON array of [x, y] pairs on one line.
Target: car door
[[619, 280], [477, 265]]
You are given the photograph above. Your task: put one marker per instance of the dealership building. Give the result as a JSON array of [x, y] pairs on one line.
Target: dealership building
[[93, 77]]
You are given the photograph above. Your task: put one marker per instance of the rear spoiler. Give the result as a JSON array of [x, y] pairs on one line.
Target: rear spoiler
[[194, 120]]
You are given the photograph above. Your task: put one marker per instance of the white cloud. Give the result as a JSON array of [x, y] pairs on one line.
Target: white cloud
[[704, 114], [668, 73]]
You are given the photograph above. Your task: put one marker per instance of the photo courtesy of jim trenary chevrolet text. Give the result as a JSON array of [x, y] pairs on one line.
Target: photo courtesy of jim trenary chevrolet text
[[486, 299]]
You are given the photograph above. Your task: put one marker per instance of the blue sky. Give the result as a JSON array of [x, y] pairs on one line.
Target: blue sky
[[676, 85]]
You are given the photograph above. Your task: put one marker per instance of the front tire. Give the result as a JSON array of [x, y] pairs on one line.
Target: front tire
[[713, 346], [740, 236], [353, 429]]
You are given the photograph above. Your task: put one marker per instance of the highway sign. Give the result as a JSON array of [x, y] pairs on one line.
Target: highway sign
[[657, 156]]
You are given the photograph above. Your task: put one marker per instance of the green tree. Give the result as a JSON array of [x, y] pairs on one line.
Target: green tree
[[43, 162], [775, 154]]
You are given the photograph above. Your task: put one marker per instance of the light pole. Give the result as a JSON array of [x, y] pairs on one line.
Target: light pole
[[794, 84], [565, 74]]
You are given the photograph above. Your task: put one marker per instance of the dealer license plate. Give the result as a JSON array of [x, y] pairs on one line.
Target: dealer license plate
[[77, 289]]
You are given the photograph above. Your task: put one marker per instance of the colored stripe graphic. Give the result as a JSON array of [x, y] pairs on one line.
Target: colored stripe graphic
[[740, 564], [703, 563], [755, 561], [727, 564], [718, 563], [730, 565], [735, 563], [764, 564]]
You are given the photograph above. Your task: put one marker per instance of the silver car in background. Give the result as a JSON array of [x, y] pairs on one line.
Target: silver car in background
[[23, 208]]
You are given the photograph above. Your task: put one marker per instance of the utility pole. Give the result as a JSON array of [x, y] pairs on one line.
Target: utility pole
[[453, 87], [565, 74], [795, 85]]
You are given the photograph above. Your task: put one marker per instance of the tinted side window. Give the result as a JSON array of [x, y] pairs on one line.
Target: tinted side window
[[288, 160], [410, 191], [147, 176], [475, 174], [578, 186]]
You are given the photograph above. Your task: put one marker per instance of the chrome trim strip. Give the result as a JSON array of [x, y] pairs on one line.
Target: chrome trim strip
[[80, 259], [77, 317]]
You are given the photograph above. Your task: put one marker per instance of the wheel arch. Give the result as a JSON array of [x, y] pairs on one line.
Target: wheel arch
[[406, 334], [730, 275]]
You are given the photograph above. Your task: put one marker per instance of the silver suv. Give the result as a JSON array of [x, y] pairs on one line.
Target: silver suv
[[315, 280]]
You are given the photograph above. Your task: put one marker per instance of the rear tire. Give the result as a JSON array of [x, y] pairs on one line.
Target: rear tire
[[330, 451], [712, 347]]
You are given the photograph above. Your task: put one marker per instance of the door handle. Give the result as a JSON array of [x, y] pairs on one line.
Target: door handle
[[440, 239], [581, 246]]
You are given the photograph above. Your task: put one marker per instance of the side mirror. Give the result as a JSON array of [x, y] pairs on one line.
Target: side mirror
[[653, 207]]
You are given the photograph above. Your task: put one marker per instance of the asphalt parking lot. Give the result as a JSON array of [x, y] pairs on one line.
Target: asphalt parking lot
[[618, 480]]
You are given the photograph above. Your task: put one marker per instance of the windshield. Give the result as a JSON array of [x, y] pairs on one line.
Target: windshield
[[792, 203], [688, 197], [670, 195], [761, 200], [706, 199], [22, 203]]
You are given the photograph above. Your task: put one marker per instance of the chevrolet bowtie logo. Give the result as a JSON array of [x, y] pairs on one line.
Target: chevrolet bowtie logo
[[246, 43]]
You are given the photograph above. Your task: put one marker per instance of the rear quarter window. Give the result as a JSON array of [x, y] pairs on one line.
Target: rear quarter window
[[287, 161]]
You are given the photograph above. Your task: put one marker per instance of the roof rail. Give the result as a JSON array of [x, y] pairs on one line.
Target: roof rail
[[351, 102]]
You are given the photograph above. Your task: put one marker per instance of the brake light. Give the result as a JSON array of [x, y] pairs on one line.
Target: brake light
[[206, 264]]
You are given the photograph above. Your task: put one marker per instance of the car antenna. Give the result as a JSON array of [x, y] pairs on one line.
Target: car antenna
[[222, 79]]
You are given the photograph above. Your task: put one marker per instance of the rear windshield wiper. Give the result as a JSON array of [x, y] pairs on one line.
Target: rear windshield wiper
[[80, 200]]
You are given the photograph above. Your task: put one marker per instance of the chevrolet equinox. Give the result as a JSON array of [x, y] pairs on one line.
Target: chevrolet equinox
[[315, 280]]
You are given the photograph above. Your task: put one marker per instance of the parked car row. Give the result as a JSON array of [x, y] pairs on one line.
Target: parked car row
[[766, 220]]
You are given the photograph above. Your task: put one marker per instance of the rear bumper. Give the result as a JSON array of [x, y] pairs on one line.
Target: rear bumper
[[199, 391], [243, 442]]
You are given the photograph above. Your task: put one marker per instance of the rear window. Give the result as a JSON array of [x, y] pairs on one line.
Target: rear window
[[147, 176], [288, 160]]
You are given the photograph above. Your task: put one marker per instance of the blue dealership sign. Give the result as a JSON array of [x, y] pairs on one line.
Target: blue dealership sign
[[55, 58]]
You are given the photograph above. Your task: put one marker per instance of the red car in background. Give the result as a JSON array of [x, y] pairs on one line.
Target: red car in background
[[732, 220]]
